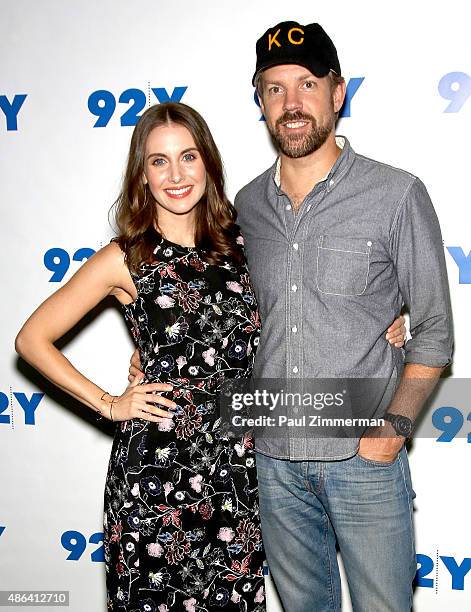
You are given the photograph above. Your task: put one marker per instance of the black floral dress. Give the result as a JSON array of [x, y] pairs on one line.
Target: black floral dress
[[181, 522]]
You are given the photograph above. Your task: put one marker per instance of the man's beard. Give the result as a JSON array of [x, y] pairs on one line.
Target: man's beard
[[300, 145]]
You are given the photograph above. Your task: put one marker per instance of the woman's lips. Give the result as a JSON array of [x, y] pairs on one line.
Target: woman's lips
[[179, 192]]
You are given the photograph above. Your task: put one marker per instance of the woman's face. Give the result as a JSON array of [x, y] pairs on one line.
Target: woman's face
[[174, 170]]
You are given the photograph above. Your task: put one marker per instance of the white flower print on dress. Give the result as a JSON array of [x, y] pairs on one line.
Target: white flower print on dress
[[181, 361]]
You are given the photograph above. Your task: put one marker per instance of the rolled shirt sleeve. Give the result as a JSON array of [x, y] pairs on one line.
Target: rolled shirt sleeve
[[417, 251]]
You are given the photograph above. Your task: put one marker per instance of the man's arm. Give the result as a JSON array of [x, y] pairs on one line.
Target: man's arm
[[416, 385], [417, 250]]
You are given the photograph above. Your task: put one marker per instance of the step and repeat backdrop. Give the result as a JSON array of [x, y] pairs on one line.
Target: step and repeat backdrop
[[75, 78]]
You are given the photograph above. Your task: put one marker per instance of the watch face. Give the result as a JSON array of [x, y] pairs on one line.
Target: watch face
[[403, 426]]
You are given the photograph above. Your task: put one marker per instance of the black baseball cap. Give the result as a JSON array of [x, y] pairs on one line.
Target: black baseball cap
[[291, 43]]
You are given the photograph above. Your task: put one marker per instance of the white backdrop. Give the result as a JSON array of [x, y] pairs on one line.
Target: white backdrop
[[60, 174]]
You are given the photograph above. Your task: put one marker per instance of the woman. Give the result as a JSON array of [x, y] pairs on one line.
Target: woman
[[181, 513], [181, 518]]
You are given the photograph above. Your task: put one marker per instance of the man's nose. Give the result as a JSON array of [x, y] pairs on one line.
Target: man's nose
[[292, 101]]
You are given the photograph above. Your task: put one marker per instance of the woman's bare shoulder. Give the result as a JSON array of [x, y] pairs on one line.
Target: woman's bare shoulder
[[110, 256], [114, 259]]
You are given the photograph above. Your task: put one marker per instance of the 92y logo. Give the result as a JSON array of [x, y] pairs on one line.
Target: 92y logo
[[450, 421], [455, 87], [57, 261], [454, 578], [28, 405], [102, 103], [463, 262], [76, 543], [11, 109]]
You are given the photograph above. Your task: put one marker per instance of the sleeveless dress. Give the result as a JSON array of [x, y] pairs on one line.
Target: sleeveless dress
[[181, 520]]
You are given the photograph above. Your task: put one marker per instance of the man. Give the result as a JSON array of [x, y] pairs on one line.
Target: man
[[336, 243]]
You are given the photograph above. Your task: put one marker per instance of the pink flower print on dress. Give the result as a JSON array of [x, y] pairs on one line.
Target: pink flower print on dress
[[195, 482], [166, 424], [154, 549], [234, 286], [260, 595], [208, 356], [226, 534], [190, 604], [165, 301], [168, 486]]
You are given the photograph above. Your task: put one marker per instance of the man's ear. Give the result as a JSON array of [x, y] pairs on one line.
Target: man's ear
[[339, 95], [260, 101]]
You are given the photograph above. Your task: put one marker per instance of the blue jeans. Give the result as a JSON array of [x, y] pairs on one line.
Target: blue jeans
[[307, 507]]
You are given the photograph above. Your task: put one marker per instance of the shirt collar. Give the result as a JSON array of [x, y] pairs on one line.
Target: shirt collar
[[340, 141]]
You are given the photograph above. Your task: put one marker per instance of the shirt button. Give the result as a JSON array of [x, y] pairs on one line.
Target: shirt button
[[294, 287], [331, 182], [295, 369], [288, 206], [309, 207], [294, 329], [369, 243], [295, 246]]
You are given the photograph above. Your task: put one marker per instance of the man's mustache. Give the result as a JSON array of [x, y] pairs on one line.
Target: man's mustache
[[296, 116]]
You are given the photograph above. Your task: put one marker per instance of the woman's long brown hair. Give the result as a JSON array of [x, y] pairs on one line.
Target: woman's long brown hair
[[135, 209]]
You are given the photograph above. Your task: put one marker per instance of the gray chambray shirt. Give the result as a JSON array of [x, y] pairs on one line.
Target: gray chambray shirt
[[331, 278]]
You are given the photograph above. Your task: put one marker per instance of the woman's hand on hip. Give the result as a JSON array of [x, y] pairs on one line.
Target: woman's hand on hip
[[139, 402]]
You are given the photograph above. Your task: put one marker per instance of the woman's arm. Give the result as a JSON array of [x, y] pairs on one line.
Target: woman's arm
[[105, 273]]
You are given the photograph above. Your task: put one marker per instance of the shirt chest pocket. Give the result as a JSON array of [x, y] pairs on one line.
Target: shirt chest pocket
[[343, 265]]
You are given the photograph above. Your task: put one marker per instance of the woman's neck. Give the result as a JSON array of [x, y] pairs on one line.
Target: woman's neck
[[180, 230]]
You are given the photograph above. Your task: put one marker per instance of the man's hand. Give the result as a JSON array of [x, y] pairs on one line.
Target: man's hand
[[384, 450], [396, 334], [134, 368]]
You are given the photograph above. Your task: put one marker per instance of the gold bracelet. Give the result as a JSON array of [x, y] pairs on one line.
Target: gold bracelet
[[113, 399], [103, 400]]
